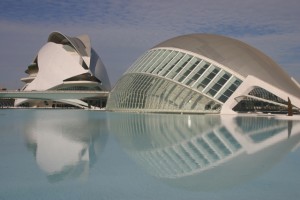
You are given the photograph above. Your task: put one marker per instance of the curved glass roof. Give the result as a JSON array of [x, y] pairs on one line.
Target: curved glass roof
[[189, 70], [173, 80], [236, 55]]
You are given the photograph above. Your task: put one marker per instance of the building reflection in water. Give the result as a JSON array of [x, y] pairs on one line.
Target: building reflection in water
[[65, 144], [204, 152]]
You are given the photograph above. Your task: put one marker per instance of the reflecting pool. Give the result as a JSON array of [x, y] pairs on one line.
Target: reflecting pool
[[77, 154]]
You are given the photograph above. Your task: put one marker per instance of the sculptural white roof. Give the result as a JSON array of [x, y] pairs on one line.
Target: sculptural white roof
[[66, 63]]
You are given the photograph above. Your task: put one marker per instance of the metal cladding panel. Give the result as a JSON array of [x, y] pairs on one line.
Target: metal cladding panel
[[79, 45], [98, 69]]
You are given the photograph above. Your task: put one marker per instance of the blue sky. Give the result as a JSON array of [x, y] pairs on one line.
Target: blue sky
[[121, 30]]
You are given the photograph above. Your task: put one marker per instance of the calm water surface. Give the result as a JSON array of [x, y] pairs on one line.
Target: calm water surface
[[76, 154]]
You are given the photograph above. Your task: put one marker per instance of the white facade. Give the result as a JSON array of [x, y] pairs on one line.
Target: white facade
[[65, 63]]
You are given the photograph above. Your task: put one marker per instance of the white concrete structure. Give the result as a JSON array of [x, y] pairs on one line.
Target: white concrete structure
[[204, 73], [65, 63]]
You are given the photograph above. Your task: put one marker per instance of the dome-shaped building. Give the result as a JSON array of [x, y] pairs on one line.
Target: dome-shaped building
[[65, 63], [204, 73]]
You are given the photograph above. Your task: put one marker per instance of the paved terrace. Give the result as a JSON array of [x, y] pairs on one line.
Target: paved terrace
[[53, 95]]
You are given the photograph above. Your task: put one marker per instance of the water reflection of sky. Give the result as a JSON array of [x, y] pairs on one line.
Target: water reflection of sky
[[46, 154]]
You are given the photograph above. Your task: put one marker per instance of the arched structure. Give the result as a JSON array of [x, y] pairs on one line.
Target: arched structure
[[65, 63], [204, 73]]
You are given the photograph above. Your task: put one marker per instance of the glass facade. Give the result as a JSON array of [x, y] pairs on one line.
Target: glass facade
[[140, 91], [7, 102], [170, 80], [261, 100]]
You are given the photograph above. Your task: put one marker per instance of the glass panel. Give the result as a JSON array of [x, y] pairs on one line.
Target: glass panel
[[212, 92], [195, 102], [157, 60], [145, 63], [185, 96], [209, 74], [197, 73], [171, 64], [152, 59], [187, 102], [264, 94], [187, 69], [223, 98], [228, 89], [136, 66], [217, 83], [179, 66], [162, 65]]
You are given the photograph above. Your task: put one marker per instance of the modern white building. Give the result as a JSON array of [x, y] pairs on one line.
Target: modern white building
[[65, 63], [204, 73]]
